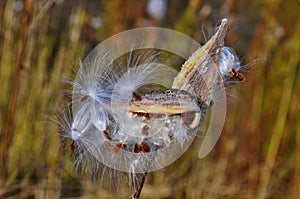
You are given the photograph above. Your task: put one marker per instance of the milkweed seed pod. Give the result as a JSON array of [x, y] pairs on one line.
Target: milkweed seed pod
[[200, 74], [119, 117]]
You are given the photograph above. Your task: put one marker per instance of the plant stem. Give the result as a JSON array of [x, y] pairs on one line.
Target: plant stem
[[137, 193], [16, 84]]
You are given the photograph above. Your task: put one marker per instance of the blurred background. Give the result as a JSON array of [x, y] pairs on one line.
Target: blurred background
[[258, 154]]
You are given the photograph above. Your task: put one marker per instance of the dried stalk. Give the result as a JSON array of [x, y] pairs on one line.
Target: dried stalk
[[138, 190], [16, 84]]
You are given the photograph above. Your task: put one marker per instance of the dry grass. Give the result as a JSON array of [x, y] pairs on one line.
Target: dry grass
[[258, 153]]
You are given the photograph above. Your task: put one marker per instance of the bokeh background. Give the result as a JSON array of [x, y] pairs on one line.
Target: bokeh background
[[258, 154]]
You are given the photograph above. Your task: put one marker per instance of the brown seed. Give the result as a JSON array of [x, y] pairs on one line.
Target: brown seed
[[239, 76], [121, 145], [107, 135], [141, 114], [136, 148], [144, 147], [118, 147], [136, 97], [171, 136]]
